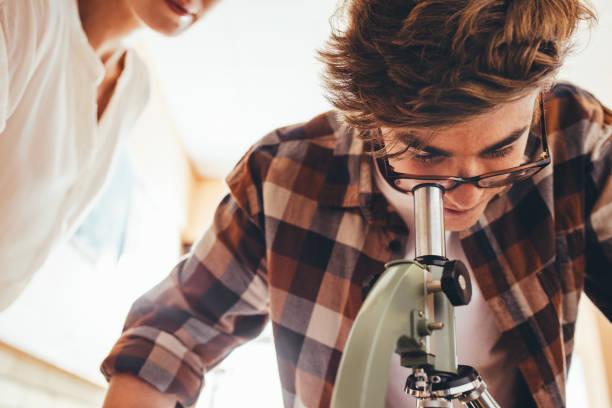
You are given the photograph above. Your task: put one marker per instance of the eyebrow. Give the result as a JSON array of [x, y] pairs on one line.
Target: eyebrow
[[411, 140]]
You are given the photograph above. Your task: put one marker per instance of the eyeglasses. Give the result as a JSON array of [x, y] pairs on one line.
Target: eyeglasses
[[493, 179]]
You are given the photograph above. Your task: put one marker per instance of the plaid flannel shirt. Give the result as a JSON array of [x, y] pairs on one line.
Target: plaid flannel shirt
[[305, 230]]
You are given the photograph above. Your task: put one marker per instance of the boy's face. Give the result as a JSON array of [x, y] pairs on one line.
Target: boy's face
[[490, 142], [169, 17]]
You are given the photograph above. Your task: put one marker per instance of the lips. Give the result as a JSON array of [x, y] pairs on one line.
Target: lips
[[180, 7], [457, 212]]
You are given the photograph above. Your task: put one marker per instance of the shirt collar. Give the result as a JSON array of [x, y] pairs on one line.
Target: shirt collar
[[350, 179]]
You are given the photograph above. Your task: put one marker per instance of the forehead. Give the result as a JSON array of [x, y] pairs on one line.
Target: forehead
[[473, 133]]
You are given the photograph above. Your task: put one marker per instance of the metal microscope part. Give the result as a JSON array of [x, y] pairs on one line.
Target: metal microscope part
[[429, 220], [434, 403], [456, 283], [466, 386]]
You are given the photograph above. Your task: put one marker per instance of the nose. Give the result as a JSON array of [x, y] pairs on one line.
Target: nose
[[466, 196]]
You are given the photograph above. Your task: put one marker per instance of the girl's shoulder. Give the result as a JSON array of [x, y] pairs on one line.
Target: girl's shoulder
[[33, 25]]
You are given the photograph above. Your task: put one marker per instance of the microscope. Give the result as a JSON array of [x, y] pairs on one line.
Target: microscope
[[410, 311]]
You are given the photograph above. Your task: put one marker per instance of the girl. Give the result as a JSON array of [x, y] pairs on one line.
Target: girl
[[69, 91]]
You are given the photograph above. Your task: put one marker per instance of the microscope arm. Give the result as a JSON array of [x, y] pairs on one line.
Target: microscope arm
[[364, 370]]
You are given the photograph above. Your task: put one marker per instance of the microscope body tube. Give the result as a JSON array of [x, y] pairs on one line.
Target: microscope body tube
[[429, 221], [431, 244]]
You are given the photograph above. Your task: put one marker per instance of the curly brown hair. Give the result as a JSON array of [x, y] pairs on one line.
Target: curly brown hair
[[433, 63]]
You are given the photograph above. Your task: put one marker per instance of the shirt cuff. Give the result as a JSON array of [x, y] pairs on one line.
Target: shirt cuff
[[160, 359]]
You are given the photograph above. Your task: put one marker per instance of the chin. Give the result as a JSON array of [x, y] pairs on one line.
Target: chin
[[166, 26], [168, 29], [455, 222]]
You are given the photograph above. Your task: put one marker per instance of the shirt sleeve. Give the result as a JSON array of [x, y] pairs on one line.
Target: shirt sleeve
[[598, 197], [215, 299]]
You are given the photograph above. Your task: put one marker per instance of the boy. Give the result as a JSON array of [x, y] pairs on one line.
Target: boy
[[456, 91]]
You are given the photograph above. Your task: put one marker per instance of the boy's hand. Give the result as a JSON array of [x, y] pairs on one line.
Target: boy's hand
[[127, 391]]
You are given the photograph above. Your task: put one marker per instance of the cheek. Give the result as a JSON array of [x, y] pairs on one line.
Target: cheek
[[206, 6], [489, 194], [516, 158]]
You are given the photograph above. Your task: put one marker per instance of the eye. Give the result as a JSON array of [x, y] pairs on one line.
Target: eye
[[423, 156], [500, 153]]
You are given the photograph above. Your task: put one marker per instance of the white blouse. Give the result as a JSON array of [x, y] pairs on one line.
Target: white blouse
[[54, 154]]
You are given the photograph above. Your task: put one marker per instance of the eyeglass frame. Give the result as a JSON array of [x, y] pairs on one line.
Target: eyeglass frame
[[544, 160]]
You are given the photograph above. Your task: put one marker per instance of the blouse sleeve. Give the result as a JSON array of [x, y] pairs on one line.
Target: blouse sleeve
[[26, 27]]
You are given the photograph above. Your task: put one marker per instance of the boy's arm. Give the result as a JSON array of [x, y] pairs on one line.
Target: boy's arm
[[215, 299], [125, 390]]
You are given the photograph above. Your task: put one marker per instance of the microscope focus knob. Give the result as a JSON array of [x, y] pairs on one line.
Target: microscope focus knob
[[456, 283]]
